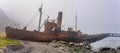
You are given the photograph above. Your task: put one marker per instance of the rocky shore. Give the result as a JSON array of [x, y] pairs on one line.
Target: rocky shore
[[54, 47], [32, 47], [42, 47]]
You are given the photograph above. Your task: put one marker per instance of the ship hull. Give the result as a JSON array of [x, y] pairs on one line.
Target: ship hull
[[34, 35], [21, 34]]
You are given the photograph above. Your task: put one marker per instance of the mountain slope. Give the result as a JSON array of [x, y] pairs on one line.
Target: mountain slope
[[4, 21]]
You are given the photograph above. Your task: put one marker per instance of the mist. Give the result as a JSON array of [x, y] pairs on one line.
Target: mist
[[94, 16]]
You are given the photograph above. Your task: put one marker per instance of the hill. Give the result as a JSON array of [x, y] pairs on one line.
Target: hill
[[4, 21]]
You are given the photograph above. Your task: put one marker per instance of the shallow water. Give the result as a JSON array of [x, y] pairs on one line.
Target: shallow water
[[112, 42]]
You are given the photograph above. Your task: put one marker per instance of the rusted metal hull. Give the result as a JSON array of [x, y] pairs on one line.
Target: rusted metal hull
[[43, 36], [35, 35]]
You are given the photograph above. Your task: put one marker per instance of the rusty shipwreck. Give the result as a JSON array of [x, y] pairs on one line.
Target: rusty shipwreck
[[52, 31]]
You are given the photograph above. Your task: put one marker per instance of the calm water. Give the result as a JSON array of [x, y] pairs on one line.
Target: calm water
[[112, 42]]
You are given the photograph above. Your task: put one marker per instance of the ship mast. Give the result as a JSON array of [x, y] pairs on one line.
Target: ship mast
[[76, 22], [40, 10]]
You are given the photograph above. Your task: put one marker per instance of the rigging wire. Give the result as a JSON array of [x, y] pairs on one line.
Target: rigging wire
[[44, 22], [35, 15], [33, 18]]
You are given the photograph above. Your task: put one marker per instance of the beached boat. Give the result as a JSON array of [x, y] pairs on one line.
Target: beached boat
[[52, 31]]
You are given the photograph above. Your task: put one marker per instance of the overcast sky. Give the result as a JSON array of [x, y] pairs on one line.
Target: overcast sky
[[94, 16]]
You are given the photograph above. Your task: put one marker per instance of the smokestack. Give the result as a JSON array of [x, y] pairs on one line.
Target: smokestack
[[59, 21]]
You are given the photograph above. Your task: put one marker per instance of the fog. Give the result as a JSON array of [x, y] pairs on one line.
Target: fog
[[94, 16]]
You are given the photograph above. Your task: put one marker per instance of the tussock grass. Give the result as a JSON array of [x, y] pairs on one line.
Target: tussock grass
[[5, 42]]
